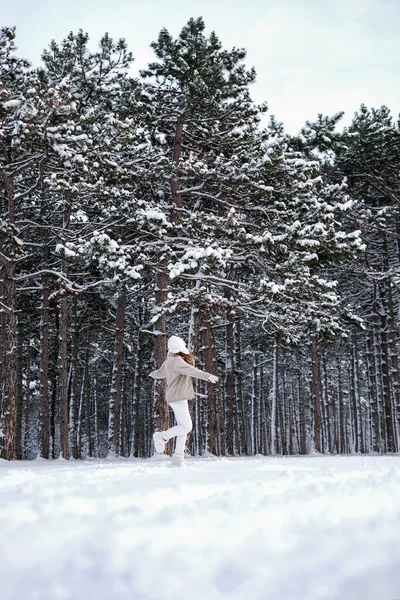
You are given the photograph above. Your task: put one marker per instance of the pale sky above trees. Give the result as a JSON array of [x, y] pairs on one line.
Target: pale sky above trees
[[310, 56]]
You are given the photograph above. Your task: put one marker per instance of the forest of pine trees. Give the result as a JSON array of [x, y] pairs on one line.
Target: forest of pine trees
[[133, 208]]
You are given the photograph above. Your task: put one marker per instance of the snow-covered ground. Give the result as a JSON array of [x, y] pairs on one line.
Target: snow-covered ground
[[296, 528]]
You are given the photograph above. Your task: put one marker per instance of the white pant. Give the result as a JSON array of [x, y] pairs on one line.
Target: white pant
[[184, 426]]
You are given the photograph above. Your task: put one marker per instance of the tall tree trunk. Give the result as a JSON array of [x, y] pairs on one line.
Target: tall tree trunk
[[356, 399], [387, 386], [20, 396], [342, 420], [193, 339], [63, 377], [11, 375], [379, 390], [9, 305], [210, 367], [96, 412], [282, 417], [316, 393], [87, 401], [296, 418], [230, 387], [54, 415], [274, 397], [242, 420], [76, 396], [138, 445], [161, 409], [3, 318], [44, 372], [115, 395], [254, 406], [80, 417], [392, 346], [123, 420], [303, 418], [63, 346], [327, 415], [372, 392], [27, 452]]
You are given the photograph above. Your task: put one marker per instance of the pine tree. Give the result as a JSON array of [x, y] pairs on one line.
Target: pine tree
[[202, 125], [95, 147], [23, 120], [369, 156]]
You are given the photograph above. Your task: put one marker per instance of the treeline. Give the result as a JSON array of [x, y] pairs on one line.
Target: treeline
[[132, 208]]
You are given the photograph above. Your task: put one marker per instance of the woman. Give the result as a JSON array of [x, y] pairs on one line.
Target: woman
[[178, 370]]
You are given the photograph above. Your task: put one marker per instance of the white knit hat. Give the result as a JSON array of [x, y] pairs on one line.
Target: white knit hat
[[176, 344]]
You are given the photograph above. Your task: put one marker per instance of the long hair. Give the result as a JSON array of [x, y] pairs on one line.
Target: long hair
[[190, 358]]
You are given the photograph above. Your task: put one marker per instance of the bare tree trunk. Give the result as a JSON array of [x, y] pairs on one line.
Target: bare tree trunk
[[274, 397], [11, 377], [230, 388], [63, 377], [242, 420], [9, 305], [87, 402], [324, 421], [54, 416], [63, 349], [326, 397], [356, 399], [26, 453], [193, 337], [342, 421], [161, 409], [44, 372], [392, 350], [20, 396], [372, 392], [303, 418], [209, 365], [296, 416], [96, 413], [316, 392], [75, 400], [379, 391], [265, 387], [280, 414], [336, 427], [255, 403], [138, 449], [123, 420], [285, 417], [115, 395], [387, 387], [290, 425], [261, 409], [80, 416]]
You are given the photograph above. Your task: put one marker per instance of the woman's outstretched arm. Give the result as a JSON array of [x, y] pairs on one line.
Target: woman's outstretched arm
[[158, 373], [183, 368]]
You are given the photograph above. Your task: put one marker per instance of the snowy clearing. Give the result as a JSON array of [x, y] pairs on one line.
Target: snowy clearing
[[296, 528]]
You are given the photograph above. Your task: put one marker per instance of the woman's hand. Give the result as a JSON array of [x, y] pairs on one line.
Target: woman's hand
[[213, 379]]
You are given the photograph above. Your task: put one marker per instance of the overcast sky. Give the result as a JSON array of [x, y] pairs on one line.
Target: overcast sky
[[311, 56]]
